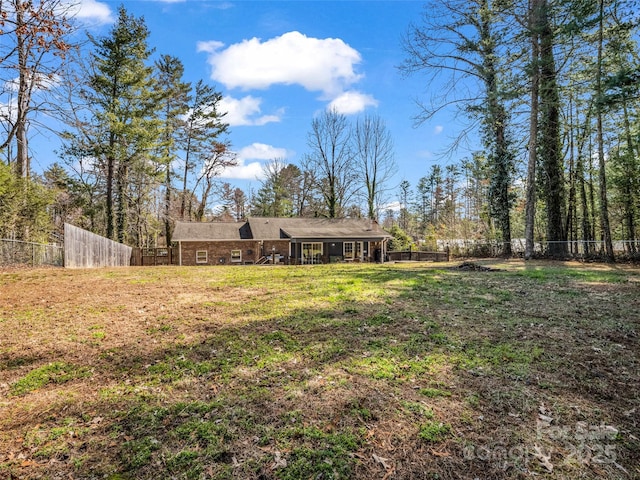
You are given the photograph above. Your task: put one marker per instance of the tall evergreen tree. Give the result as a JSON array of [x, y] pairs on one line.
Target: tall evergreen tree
[[124, 130], [275, 196], [550, 146], [205, 154], [173, 97]]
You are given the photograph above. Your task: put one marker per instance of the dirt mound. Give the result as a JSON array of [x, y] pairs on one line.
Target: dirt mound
[[474, 267]]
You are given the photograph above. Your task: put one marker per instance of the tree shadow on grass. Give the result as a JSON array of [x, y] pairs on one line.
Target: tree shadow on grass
[[356, 388]]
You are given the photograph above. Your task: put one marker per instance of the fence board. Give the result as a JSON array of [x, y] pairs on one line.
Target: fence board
[[154, 256], [83, 249]]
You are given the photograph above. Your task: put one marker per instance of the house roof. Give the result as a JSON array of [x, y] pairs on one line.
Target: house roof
[[199, 231], [315, 228], [270, 228]]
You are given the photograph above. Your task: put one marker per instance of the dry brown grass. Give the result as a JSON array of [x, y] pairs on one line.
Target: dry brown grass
[[355, 371]]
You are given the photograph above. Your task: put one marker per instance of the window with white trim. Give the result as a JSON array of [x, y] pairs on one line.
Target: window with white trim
[[236, 256], [348, 250], [201, 256]]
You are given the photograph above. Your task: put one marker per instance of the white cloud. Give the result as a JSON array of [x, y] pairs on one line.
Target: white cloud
[[318, 65], [43, 82], [92, 11], [394, 206], [242, 171], [250, 161], [246, 111], [262, 151], [9, 111], [438, 130], [12, 85], [352, 102], [209, 47]]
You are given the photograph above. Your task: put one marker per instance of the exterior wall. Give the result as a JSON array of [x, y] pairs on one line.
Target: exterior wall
[[219, 253], [281, 248], [333, 252]]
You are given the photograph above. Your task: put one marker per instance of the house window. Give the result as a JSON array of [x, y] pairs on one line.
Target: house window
[[311, 253], [201, 256], [348, 250], [236, 256], [352, 250]]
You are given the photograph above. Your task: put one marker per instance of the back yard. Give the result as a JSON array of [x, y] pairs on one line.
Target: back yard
[[338, 371]]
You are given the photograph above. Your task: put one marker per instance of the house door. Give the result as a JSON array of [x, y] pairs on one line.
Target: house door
[[352, 251], [311, 253]]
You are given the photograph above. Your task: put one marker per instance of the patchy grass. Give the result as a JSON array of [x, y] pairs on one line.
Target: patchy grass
[[433, 432], [52, 373], [338, 371]]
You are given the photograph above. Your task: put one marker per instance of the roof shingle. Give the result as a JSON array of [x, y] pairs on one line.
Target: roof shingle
[[270, 228]]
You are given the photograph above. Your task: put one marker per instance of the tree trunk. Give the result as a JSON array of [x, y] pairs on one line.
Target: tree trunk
[[185, 192], [167, 206], [604, 206], [571, 204], [629, 181], [530, 208], [551, 152], [111, 161], [121, 215], [22, 147]]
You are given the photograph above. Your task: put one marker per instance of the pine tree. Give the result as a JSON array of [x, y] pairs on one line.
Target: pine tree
[[173, 97], [125, 129], [204, 152]]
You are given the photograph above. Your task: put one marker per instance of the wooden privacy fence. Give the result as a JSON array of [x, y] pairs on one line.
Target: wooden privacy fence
[[154, 256], [83, 249]]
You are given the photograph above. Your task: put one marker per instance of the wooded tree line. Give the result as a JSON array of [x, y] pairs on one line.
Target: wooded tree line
[[143, 148], [550, 90], [129, 122], [346, 172]]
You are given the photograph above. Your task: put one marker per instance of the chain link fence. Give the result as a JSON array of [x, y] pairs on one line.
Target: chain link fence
[[17, 252], [576, 249]]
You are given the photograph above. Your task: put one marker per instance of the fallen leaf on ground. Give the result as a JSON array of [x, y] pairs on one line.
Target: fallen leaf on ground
[[545, 460], [382, 460]]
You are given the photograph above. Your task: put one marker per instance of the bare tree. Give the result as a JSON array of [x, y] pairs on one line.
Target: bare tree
[[468, 42], [375, 163], [305, 198], [219, 158], [331, 159], [33, 49]]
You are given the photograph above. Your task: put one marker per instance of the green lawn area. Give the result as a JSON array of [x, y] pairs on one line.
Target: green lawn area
[[395, 371]]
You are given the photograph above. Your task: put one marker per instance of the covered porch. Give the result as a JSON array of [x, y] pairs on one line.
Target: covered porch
[[314, 251]]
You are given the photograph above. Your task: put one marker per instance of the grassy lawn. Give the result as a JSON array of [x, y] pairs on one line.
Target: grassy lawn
[[396, 371]]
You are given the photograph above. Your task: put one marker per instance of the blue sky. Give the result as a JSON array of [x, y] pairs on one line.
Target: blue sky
[[280, 63]]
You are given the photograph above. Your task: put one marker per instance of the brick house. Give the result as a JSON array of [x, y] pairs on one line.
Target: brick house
[[296, 241]]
